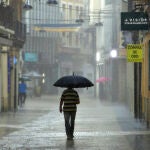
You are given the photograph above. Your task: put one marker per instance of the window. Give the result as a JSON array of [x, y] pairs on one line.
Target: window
[[77, 40], [70, 12], [63, 34], [81, 12], [64, 11], [70, 39], [108, 2], [77, 12]]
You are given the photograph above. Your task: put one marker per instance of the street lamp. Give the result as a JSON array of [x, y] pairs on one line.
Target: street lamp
[[27, 6], [113, 53], [43, 80], [98, 56], [50, 2]]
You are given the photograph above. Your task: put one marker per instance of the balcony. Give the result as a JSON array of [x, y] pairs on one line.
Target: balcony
[[8, 26], [6, 20], [20, 34]]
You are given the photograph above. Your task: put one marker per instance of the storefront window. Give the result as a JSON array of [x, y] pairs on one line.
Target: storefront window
[[108, 2]]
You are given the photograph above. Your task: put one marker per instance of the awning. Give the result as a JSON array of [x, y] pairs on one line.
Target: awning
[[57, 27]]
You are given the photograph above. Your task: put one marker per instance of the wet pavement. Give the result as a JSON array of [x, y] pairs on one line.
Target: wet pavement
[[99, 126]]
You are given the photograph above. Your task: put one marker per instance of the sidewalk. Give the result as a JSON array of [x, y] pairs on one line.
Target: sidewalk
[[99, 126]]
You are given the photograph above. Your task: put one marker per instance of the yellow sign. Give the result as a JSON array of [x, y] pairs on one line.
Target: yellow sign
[[134, 53]]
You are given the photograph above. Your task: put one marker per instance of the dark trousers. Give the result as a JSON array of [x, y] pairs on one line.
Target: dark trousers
[[22, 98], [69, 117]]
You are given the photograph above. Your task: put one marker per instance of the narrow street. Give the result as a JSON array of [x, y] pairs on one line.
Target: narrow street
[[99, 126]]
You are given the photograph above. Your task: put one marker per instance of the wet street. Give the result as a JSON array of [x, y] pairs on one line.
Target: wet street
[[99, 126]]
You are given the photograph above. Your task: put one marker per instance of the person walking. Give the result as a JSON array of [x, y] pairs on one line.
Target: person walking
[[68, 101], [22, 92]]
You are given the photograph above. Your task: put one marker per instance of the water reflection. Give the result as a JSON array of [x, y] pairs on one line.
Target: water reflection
[[139, 142], [70, 145], [4, 131]]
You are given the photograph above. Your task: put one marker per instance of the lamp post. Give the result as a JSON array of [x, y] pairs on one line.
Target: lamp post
[[98, 59], [114, 74], [99, 69]]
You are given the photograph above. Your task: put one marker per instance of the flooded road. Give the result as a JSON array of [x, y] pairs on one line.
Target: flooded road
[[38, 125]]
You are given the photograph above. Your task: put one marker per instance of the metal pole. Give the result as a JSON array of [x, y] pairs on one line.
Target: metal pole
[[15, 97]]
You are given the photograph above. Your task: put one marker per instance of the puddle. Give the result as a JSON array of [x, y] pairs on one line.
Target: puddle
[[5, 131]]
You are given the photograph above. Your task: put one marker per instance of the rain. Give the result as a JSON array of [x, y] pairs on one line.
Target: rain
[[74, 75]]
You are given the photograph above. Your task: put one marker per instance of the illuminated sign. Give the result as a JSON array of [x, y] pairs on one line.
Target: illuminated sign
[[30, 57]]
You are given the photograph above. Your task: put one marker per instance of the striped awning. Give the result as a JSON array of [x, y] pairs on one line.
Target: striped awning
[[57, 27]]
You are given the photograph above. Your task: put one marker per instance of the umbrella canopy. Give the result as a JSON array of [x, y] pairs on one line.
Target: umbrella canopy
[[102, 79], [73, 81]]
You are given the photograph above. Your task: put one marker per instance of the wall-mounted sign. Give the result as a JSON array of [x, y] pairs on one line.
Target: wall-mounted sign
[[15, 60], [30, 57], [134, 53], [134, 21]]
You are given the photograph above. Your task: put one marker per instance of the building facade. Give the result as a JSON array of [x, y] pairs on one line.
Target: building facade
[[141, 70], [113, 67], [12, 37], [77, 52], [129, 80], [57, 41], [39, 51]]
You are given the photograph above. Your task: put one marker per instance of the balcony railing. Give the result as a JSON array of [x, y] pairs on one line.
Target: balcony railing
[[6, 16], [9, 23], [20, 31]]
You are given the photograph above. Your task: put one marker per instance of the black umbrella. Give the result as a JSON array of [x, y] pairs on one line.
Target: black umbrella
[[74, 81]]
